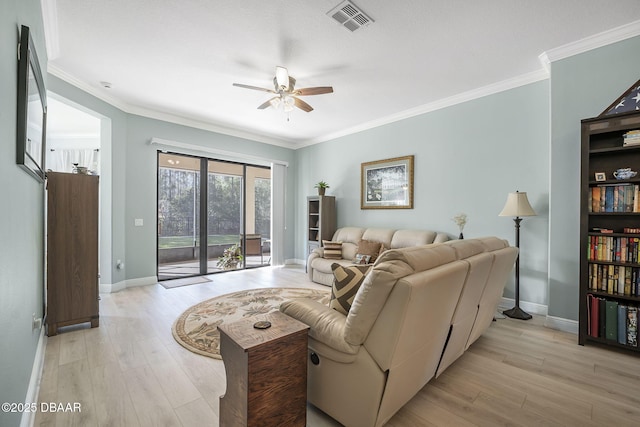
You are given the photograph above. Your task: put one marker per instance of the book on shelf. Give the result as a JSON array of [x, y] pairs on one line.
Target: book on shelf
[[592, 315], [614, 279], [631, 138], [632, 326], [611, 320], [623, 249], [602, 230], [602, 309], [622, 324], [629, 142], [609, 198]]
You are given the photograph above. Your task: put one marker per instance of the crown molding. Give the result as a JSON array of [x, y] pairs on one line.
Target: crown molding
[[470, 95], [80, 84], [51, 33], [604, 38], [228, 155], [546, 58], [166, 117]]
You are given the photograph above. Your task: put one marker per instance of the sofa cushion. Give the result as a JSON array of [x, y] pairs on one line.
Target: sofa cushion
[[407, 238], [367, 247], [327, 325], [349, 236], [392, 265], [332, 250], [345, 286], [382, 235]]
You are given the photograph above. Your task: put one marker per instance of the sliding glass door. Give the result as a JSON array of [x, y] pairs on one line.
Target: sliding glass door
[[212, 216]]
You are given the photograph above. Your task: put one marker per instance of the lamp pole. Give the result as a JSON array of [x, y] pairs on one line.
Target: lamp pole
[[516, 312]]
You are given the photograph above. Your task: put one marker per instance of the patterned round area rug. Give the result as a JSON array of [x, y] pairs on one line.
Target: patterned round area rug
[[197, 328]]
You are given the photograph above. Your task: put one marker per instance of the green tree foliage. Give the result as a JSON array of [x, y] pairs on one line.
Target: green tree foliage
[[178, 203]]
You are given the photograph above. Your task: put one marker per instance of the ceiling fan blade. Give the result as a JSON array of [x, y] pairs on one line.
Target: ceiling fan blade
[[266, 104], [302, 105], [313, 91], [254, 88]]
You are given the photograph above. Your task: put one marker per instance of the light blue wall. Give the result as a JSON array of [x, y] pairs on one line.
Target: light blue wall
[[118, 147], [582, 86], [21, 219], [468, 157], [142, 184], [134, 176]]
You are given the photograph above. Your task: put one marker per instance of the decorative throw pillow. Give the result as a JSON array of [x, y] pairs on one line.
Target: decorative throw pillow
[[362, 259], [367, 247], [332, 250], [347, 281]]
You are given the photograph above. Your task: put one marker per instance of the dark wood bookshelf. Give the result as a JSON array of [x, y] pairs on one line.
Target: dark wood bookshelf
[[603, 152], [321, 220]]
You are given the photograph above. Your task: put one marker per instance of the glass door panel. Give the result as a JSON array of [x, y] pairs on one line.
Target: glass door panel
[[258, 216], [224, 226], [178, 216], [225, 222]]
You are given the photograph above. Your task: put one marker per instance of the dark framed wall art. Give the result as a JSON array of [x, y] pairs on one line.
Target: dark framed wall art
[[387, 184], [32, 109]]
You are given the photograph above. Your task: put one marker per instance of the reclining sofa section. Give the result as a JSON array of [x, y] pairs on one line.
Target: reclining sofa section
[[416, 312]]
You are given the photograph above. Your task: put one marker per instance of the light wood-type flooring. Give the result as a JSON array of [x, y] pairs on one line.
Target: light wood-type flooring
[[131, 372]]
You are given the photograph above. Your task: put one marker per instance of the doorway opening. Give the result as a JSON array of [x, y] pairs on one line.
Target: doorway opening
[[213, 216]]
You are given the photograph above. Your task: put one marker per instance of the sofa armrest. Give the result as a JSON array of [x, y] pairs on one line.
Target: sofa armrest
[[326, 324], [316, 253]]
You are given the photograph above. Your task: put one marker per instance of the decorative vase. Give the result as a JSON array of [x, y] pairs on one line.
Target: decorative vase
[[461, 237], [321, 191]]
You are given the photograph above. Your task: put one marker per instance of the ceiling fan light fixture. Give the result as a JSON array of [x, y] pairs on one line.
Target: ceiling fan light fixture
[[282, 77], [288, 103], [275, 102]]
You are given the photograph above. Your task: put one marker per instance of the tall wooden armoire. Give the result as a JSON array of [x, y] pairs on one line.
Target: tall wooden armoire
[[72, 250]]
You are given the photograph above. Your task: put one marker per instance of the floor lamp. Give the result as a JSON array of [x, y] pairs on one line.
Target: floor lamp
[[517, 205]]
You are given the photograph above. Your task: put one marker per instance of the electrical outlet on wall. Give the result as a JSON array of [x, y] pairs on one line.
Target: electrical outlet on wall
[[36, 322], [138, 222]]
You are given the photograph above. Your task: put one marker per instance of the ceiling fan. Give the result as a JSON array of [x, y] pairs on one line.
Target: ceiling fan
[[286, 93]]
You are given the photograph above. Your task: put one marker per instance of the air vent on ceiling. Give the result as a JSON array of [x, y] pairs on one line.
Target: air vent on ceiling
[[349, 16]]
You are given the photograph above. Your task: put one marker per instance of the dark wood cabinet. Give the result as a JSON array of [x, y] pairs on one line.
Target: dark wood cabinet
[[266, 372], [72, 250], [321, 220], [610, 231]]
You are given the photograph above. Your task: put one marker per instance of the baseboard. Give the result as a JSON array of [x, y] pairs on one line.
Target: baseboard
[[107, 288], [141, 281], [28, 418], [565, 325], [552, 322], [529, 307], [295, 261]]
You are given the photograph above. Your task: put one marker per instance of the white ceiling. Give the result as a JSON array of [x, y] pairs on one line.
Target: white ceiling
[[177, 60]]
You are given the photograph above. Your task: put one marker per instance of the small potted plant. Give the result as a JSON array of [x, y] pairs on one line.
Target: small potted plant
[[322, 187], [230, 258], [460, 220]]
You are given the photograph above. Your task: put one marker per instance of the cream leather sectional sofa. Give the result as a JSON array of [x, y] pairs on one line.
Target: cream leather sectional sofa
[[417, 310], [319, 268]]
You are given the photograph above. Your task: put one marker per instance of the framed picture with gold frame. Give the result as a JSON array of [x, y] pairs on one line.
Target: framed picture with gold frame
[[387, 184]]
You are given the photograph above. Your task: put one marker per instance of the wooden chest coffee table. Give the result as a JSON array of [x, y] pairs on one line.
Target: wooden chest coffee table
[[266, 372]]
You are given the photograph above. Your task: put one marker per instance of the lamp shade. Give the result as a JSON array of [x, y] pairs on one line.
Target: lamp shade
[[517, 205]]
